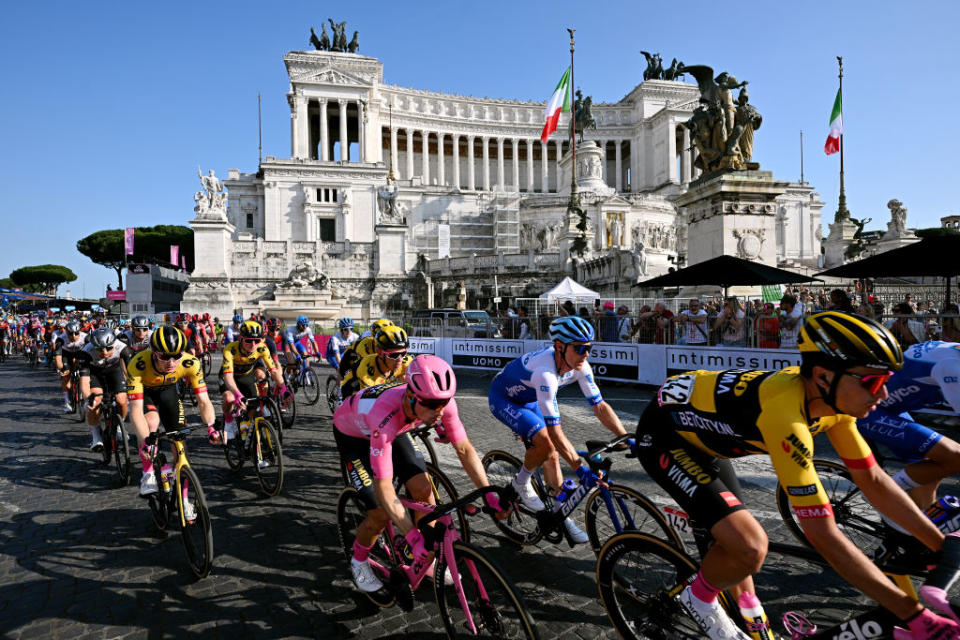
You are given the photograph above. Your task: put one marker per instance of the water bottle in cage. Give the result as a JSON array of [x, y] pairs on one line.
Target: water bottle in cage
[[945, 513], [166, 474]]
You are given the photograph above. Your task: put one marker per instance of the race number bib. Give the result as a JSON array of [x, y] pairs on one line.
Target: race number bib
[[676, 390]]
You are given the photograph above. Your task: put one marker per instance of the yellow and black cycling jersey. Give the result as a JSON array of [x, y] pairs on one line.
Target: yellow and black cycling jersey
[[241, 364], [141, 374], [353, 354], [734, 413], [369, 373]]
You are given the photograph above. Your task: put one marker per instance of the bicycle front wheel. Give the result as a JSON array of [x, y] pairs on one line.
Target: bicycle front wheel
[[636, 574], [310, 387], [620, 509], [196, 533], [269, 457], [235, 450], [206, 361], [107, 435], [333, 394], [521, 525], [490, 599], [288, 413], [121, 452], [422, 442]]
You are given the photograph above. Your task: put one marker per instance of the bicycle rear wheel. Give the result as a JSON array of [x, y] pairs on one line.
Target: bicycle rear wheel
[[310, 387], [635, 575], [332, 394], [194, 520], [493, 602], [235, 449], [206, 362], [521, 525], [272, 414], [108, 435], [288, 414], [627, 510], [121, 452], [159, 506], [268, 456], [855, 516], [422, 442]]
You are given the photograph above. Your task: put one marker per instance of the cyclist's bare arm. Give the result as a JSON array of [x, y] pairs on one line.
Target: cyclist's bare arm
[[138, 420], [851, 563], [389, 502], [608, 418], [881, 491], [563, 446], [207, 414], [470, 462]]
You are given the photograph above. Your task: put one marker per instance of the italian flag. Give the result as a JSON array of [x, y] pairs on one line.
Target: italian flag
[[558, 102], [836, 128]]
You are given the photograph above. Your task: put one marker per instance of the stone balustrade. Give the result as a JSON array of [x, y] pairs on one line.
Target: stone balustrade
[[499, 263]]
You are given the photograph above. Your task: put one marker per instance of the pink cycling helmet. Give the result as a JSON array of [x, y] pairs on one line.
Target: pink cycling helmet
[[431, 378]]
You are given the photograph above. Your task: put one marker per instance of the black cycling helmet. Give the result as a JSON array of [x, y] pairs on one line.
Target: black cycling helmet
[[251, 329], [140, 322], [168, 340], [839, 341], [72, 327], [103, 338], [391, 338]]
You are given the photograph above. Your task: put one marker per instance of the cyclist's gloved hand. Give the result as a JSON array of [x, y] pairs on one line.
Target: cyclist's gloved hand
[[927, 625], [238, 400], [441, 434], [587, 477], [938, 600], [417, 545], [284, 392]]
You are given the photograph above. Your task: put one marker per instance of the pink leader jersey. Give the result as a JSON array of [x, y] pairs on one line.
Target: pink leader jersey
[[377, 413]]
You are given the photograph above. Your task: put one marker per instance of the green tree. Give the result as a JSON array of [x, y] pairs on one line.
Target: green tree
[[42, 277], [7, 283], [150, 244]]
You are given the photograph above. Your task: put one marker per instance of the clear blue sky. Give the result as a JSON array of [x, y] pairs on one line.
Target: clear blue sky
[[108, 107]]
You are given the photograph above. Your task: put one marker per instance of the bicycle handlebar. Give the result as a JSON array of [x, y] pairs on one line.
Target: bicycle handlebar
[[157, 436], [441, 510]]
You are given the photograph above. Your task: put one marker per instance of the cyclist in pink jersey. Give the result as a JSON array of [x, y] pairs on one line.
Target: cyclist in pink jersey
[[371, 435]]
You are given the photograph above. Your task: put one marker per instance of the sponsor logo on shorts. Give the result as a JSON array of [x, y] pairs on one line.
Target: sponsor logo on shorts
[[358, 475], [730, 499], [805, 490], [515, 390], [685, 473]]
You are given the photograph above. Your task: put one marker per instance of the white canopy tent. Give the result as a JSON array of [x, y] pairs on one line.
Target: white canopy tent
[[570, 289]]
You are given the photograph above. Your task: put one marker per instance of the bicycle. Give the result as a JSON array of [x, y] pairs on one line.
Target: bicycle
[[287, 410], [302, 376], [180, 494], [185, 394], [116, 440], [259, 440], [206, 363], [482, 599], [332, 393], [610, 508], [76, 405]]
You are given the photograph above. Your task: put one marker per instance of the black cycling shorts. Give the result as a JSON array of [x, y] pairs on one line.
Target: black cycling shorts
[[166, 402], [355, 456], [71, 360], [247, 385], [110, 379], [705, 487]]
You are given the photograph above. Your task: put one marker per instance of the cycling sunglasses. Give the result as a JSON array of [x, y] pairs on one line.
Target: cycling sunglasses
[[249, 340], [73, 333], [395, 355], [104, 349], [872, 382], [582, 349], [433, 404], [168, 357]]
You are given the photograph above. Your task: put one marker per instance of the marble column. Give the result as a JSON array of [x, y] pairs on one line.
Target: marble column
[[471, 164], [361, 133], [456, 161], [393, 152], [486, 163], [409, 154], [686, 155], [324, 132], [425, 158], [556, 165], [516, 164], [344, 143], [528, 144], [544, 167], [672, 151], [501, 179], [292, 101], [303, 129], [618, 164], [441, 170]]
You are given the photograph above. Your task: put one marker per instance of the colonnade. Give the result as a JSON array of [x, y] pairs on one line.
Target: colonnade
[[310, 123]]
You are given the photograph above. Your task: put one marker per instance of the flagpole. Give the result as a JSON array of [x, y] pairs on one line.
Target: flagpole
[[842, 213], [801, 156], [573, 125]]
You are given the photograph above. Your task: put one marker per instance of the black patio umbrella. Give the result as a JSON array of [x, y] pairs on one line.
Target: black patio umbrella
[[936, 256], [725, 271]]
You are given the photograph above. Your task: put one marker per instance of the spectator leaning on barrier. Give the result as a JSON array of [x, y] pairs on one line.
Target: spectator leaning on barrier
[[840, 301], [645, 326], [524, 323], [695, 321], [608, 324], [730, 323], [767, 328], [567, 309], [906, 331], [791, 317], [624, 324], [950, 327]]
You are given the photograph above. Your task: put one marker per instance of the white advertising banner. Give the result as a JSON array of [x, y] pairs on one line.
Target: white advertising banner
[[680, 359], [423, 345], [484, 354], [443, 241]]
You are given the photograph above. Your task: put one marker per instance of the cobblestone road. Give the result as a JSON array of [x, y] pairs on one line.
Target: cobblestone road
[[79, 557]]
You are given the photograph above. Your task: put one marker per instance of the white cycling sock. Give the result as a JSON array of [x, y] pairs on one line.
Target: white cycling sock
[[904, 481], [524, 475]]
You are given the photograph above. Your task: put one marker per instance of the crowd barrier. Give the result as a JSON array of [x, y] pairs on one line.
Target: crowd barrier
[[619, 362]]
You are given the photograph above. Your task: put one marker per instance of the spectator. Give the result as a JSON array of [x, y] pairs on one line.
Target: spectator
[[646, 326], [908, 300], [950, 331], [663, 318], [767, 328], [730, 323], [624, 324], [906, 332], [608, 324], [790, 318], [524, 322], [566, 309], [840, 301], [695, 320]]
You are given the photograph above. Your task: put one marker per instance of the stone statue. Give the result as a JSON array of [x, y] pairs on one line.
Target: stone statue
[[898, 217], [721, 129], [616, 229], [305, 275], [858, 244], [387, 204], [324, 38], [639, 257], [673, 72], [654, 70], [582, 118], [212, 201], [315, 41], [354, 45], [339, 35]]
